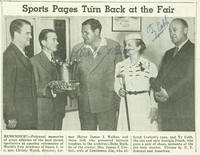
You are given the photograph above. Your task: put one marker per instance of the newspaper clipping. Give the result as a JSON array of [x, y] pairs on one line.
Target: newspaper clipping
[[108, 77]]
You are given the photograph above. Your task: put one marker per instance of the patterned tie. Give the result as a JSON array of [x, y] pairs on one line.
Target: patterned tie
[[176, 51], [52, 59]]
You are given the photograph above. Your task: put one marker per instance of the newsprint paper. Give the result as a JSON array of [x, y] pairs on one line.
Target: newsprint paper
[[100, 77]]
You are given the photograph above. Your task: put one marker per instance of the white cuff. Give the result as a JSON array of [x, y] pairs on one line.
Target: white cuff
[[53, 94]]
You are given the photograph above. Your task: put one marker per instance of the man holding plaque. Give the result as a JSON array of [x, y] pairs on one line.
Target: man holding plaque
[[97, 57], [176, 79], [50, 100], [19, 91]]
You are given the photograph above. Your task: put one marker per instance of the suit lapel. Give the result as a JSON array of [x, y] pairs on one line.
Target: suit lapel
[[177, 59], [25, 61], [89, 58], [184, 48], [99, 58], [48, 66]]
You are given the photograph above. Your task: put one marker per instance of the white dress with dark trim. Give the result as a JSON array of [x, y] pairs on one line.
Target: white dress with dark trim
[[140, 98]]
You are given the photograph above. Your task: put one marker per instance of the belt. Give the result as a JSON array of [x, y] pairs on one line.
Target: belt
[[137, 92]]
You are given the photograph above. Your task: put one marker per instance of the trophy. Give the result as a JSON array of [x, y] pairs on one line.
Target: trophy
[[66, 84]]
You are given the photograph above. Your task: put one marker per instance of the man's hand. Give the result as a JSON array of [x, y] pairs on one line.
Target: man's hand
[[12, 123], [162, 95]]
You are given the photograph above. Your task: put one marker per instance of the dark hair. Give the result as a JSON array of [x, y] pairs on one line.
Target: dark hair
[[43, 35], [138, 42], [183, 22], [16, 25], [94, 23]]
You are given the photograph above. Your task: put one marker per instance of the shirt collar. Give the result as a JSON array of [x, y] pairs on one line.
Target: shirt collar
[[182, 44], [102, 43], [139, 59], [21, 50], [49, 56]]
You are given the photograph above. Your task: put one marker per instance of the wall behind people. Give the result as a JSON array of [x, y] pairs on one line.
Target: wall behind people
[[38, 23], [155, 49]]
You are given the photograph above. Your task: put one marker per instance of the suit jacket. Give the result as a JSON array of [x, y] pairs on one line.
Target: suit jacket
[[177, 77], [45, 72], [19, 91], [96, 77]]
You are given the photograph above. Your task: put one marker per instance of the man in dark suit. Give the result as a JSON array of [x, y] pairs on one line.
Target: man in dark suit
[[51, 104], [19, 91], [95, 72], [176, 97]]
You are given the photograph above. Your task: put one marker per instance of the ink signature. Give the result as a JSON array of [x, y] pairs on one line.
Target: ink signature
[[83, 53], [156, 29]]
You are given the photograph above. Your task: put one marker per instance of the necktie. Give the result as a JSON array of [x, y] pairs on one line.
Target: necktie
[[52, 60], [176, 51]]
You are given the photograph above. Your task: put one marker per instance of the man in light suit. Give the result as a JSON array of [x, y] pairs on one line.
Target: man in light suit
[[51, 104], [176, 75], [19, 91], [95, 72]]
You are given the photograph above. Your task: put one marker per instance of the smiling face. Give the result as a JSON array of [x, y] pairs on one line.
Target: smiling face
[[89, 36], [178, 32], [131, 47]]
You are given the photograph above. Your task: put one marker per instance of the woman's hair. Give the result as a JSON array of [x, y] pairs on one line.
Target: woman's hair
[[138, 42]]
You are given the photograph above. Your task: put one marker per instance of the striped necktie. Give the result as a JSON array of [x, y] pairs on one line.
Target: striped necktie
[[52, 59]]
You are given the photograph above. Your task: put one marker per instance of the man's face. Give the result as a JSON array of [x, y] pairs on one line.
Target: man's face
[[178, 33], [89, 36], [51, 42], [24, 36]]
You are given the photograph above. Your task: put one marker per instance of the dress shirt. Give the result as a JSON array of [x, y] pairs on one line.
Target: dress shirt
[[182, 44], [49, 56], [21, 50], [94, 52]]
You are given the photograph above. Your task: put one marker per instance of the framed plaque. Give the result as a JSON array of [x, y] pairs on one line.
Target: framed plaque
[[126, 24]]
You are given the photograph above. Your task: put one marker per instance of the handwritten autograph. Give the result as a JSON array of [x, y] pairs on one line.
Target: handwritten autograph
[[156, 29], [88, 53]]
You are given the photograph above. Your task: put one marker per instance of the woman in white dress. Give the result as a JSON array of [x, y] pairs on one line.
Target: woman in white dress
[[136, 70]]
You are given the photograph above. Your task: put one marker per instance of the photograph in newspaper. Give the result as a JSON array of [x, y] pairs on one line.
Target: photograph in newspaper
[[99, 73]]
